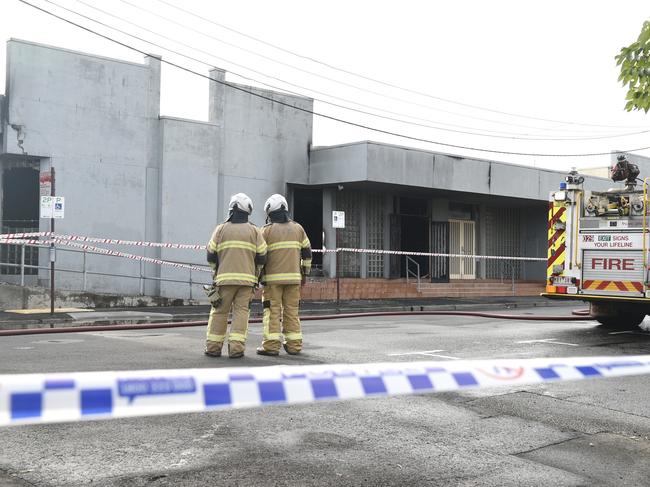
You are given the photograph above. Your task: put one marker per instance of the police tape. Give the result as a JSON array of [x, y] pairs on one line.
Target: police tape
[[135, 243], [102, 251], [115, 253], [112, 241], [76, 396], [10, 238], [430, 254]]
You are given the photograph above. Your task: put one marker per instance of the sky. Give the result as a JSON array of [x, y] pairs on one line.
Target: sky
[[480, 79]]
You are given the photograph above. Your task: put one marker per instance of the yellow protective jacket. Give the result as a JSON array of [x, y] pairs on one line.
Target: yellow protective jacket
[[236, 251], [288, 253]]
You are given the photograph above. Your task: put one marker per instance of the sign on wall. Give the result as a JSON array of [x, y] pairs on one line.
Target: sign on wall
[[338, 219], [45, 183]]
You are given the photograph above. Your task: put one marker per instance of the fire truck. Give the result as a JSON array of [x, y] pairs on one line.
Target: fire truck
[[598, 244]]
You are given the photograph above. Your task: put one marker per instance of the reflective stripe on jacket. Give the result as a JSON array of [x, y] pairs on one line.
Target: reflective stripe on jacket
[[289, 253], [238, 247]]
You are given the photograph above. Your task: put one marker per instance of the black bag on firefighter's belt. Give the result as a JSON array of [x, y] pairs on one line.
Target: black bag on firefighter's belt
[[212, 291]]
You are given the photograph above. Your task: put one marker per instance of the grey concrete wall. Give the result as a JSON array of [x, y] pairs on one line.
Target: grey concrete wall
[[266, 145], [340, 164], [393, 164], [371, 161], [127, 174], [329, 205], [3, 107], [96, 120], [189, 194]]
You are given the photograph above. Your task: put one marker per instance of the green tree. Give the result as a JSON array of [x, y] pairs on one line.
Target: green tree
[[634, 61]]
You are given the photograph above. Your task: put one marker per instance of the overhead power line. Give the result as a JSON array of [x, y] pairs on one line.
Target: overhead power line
[[374, 80], [514, 136], [312, 73], [304, 110], [441, 125]]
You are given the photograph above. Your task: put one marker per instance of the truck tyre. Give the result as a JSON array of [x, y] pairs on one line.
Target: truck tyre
[[624, 321]]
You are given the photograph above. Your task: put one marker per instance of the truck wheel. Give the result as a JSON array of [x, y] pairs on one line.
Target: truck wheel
[[624, 321]]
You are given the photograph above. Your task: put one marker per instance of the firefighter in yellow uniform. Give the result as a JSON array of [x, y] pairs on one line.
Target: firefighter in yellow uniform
[[237, 253], [288, 262]]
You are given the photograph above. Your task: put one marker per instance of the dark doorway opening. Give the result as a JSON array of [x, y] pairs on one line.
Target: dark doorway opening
[[20, 207], [415, 238], [414, 229], [409, 232], [308, 211]]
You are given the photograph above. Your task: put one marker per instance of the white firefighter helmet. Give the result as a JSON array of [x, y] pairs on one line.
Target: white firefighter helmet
[[241, 201], [275, 202]]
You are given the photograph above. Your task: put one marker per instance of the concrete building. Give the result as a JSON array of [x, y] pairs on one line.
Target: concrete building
[[128, 173], [125, 171]]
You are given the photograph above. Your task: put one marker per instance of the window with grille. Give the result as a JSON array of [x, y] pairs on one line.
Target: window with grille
[[375, 234], [350, 236], [503, 237]]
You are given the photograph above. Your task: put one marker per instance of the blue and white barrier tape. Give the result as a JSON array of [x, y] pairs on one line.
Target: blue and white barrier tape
[[52, 398]]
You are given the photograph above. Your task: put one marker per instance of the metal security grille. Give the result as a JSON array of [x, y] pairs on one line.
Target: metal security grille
[[350, 236], [440, 244], [461, 241], [503, 237], [375, 234], [12, 254]]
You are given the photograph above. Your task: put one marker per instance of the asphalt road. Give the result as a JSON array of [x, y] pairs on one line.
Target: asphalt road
[[572, 433]]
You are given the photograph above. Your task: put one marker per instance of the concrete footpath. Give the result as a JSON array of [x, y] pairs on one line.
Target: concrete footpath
[[99, 316]]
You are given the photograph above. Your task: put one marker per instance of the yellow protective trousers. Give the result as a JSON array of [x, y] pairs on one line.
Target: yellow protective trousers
[[280, 304], [239, 299]]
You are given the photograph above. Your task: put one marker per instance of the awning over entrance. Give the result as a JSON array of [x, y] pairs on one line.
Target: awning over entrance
[[382, 163]]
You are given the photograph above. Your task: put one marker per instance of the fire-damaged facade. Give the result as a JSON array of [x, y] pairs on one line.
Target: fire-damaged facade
[[126, 172]]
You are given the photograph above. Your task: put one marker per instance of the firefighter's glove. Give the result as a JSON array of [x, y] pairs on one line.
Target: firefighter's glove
[[212, 291]]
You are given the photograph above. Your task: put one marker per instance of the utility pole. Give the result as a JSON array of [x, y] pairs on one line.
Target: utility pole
[[52, 252], [337, 254]]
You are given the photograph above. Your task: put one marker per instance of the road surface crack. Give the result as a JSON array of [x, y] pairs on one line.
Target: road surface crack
[[582, 435], [589, 404]]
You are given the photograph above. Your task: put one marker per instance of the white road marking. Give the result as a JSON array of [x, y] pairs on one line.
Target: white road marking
[[428, 353], [58, 341], [630, 332], [131, 335], [552, 341]]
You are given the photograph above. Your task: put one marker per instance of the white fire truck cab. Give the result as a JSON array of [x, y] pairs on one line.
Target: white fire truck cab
[[598, 245]]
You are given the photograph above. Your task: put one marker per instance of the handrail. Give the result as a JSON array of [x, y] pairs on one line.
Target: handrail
[[577, 212], [408, 260], [502, 266]]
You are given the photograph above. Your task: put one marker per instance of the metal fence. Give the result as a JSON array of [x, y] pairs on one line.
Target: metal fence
[[19, 259], [24, 267]]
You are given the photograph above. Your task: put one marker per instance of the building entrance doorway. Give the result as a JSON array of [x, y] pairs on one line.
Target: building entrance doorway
[[410, 232], [462, 241], [308, 211], [415, 238], [20, 206]]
